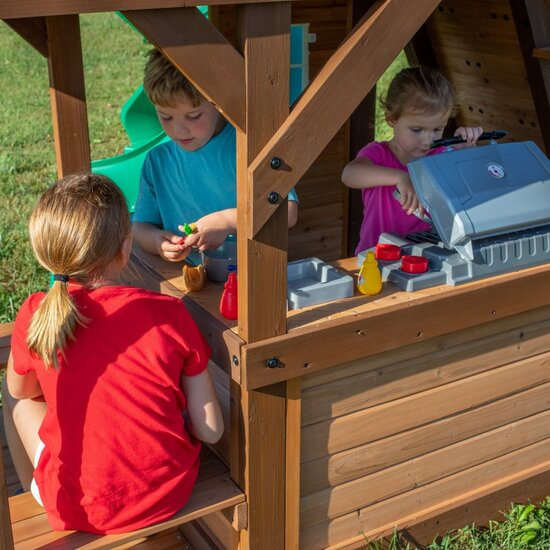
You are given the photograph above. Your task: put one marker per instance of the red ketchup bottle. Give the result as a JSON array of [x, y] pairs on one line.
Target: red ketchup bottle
[[228, 303]]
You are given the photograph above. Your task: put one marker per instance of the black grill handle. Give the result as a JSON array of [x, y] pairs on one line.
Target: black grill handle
[[445, 142]]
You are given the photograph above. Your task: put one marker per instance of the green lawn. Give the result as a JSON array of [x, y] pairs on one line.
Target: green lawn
[[27, 156]]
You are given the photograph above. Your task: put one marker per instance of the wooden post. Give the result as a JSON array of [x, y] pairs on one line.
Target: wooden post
[[6, 537], [67, 94], [263, 37]]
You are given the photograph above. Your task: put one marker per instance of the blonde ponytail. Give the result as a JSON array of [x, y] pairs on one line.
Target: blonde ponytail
[[53, 324], [77, 229]]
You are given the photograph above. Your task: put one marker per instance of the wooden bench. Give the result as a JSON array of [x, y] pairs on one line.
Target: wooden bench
[[23, 523]]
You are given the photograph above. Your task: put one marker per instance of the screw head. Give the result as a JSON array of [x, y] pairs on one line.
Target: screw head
[[275, 163], [272, 362], [273, 197], [235, 360]]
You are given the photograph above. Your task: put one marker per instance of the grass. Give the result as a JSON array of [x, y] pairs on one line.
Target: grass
[[27, 155], [524, 527]]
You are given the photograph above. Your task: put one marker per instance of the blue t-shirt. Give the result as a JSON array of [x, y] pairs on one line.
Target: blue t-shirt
[[179, 186]]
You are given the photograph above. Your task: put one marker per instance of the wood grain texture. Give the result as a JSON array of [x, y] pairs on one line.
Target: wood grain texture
[[10, 9], [67, 95], [423, 317], [33, 30], [200, 52], [323, 108], [263, 33]]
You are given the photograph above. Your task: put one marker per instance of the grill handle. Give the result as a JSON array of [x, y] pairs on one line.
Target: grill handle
[[446, 142]]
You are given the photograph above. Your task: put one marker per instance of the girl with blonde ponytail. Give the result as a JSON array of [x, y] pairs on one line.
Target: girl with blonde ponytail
[[101, 374]]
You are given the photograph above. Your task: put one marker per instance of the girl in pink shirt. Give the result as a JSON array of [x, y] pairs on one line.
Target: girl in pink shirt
[[418, 104]]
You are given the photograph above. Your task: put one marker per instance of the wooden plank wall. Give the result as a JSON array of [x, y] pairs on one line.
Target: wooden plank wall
[[319, 231], [477, 47], [411, 433]]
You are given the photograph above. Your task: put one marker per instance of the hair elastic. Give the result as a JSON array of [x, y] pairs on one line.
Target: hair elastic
[[61, 277]]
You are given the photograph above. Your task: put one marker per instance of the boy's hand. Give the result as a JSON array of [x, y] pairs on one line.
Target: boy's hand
[[408, 199], [172, 247], [469, 134], [211, 231]]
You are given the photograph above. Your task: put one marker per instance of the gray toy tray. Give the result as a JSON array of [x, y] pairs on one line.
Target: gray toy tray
[[312, 281]]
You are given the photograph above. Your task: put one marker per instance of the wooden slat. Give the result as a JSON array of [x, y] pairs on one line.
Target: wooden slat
[[5, 338], [427, 501], [434, 345], [10, 9], [365, 491], [482, 510], [210, 495], [293, 444], [33, 30], [366, 334], [323, 108], [541, 53], [365, 459], [67, 94], [414, 410], [6, 538], [199, 51], [385, 383]]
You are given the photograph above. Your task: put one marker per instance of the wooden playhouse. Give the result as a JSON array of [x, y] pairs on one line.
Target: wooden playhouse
[[424, 410]]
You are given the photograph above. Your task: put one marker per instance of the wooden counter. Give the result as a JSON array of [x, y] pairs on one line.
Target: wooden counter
[[400, 406]]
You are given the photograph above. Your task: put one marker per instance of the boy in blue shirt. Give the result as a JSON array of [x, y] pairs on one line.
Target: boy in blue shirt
[[191, 178]]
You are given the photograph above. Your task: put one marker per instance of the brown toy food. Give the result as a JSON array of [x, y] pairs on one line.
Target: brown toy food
[[194, 278]]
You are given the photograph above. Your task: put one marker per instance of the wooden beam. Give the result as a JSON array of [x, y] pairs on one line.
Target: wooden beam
[[361, 132], [315, 348], [532, 21], [10, 9], [200, 51], [263, 35], [67, 95], [33, 30], [330, 99]]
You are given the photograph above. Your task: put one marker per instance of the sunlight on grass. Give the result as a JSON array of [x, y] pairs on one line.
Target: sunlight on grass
[[27, 157]]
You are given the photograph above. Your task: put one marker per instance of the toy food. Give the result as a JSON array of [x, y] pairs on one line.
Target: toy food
[[194, 278], [370, 278]]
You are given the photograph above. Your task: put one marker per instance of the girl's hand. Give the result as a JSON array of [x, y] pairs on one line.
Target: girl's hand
[[469, 134], [172, 247], [211, 230], [408, 199]]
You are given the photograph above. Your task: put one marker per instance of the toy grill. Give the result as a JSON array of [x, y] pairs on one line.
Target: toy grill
[[490, 208]]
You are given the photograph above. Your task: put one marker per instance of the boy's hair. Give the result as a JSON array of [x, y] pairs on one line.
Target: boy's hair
[[419, 90], [77, 229], [165, 85]]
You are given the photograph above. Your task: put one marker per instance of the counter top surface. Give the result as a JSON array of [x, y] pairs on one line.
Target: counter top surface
[[390, 298]]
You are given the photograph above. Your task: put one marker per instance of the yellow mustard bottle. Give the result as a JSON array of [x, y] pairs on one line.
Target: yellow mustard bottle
[[370, 278]]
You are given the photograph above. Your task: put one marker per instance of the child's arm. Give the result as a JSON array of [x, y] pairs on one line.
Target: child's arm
[[213, 229], [361, 173], [157, 241], [206, 422], [22, 386]]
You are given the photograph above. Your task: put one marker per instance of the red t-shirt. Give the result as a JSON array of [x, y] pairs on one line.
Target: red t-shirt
[[117, 455]]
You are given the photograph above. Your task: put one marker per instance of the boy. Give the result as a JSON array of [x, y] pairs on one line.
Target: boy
[[191, 178]]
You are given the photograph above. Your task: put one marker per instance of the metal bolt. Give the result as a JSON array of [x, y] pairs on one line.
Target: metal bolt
[[272, 362], [235, 360], [275, 163], [273, 197]]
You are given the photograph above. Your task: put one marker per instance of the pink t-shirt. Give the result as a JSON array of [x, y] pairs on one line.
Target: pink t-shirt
[[382, 213], [117, 455]]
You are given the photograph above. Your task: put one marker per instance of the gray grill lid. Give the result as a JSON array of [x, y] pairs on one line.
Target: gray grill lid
[[483, 191]]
